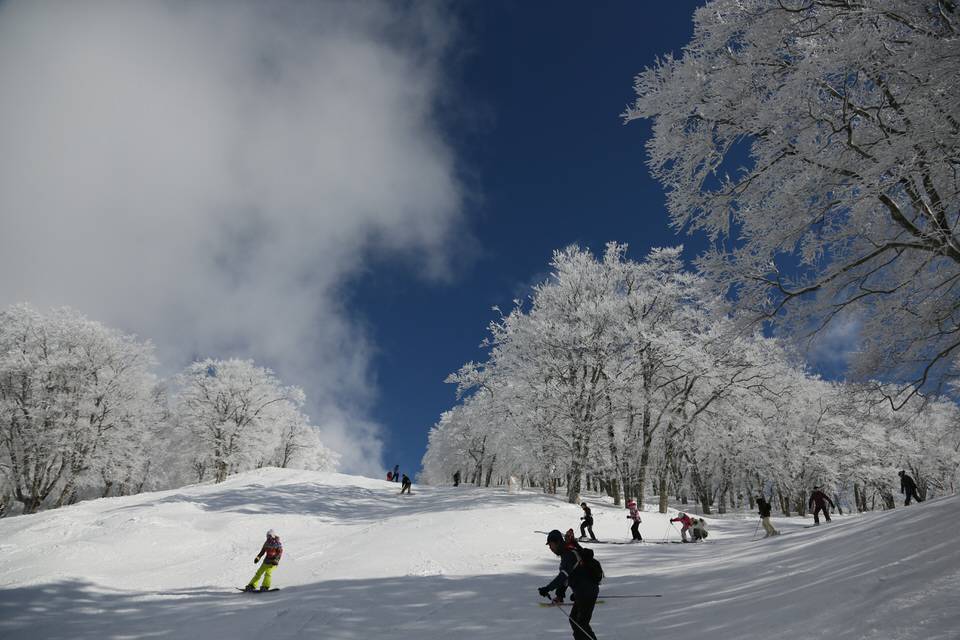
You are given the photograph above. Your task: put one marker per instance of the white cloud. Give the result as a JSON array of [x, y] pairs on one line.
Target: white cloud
[[210, 175]]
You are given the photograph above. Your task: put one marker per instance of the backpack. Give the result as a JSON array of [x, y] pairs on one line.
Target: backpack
[[588, 563]]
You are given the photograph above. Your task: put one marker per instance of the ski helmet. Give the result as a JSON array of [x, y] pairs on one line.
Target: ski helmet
[[630, 502], [272, 534], [682, 515], [555, 536], [583, 504]]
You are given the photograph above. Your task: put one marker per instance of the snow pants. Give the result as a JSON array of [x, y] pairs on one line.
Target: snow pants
[[635, 530], [912, 493], [265, 570], [405, 488], [587, 525], [580, 615], [771, 531], [816, 512]]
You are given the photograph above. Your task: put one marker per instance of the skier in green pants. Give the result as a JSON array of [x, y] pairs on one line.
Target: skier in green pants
[[272, 550]]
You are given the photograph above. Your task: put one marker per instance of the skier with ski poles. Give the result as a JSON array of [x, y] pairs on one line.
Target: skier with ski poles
[[635, 516], [764, 508], [405, 485], [587, 524], [580, 570], [687, 523], [272, 549], [820, 499]]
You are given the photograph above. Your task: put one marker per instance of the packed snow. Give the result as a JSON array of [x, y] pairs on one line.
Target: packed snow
[[362, 561]]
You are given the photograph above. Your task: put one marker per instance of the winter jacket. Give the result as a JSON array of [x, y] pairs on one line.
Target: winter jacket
[[634, 513], [907, 485], [820, 499], [587, 515], [764, 508], [579, 582], [272, 549], [686, 521]]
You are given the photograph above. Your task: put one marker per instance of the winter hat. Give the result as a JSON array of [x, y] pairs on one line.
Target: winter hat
[[901, 473], [555, 536], [681, 515], [272, 534], [630, 502], [583, 504]]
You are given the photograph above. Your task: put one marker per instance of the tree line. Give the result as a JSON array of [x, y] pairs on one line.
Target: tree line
[[632, 378], [82, 414]]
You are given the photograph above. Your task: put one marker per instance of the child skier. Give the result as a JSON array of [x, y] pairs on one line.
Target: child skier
[[272, 549], [699, 530], [687, 523], [587, 524], [635, 516]]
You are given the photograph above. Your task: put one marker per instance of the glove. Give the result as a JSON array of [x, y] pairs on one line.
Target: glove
[[573, 597], [256, 560], [583, 518], [543, 591]]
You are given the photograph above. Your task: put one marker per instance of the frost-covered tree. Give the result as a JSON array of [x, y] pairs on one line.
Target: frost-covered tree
[[817, 143], [75, 399], [238, 416]]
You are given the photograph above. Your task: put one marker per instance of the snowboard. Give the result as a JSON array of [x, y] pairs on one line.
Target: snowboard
[[258, 590], [563, 604]]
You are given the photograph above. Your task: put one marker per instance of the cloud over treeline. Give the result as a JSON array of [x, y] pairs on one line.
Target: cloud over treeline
[[210, 175]]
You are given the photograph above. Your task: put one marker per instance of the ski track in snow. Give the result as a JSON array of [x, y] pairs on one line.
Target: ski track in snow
[[361, 562]]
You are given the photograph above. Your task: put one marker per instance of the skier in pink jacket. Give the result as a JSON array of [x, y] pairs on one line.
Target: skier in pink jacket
[[635, 516]]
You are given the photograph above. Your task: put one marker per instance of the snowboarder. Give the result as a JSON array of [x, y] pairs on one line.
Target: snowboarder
[[908, 487], [272, 550], [764, 508], [687, 523], [456, 479], [635, 516], [699, 530], [587, 524], [820, 499], [574, 571], [396, 473], [405, 485]]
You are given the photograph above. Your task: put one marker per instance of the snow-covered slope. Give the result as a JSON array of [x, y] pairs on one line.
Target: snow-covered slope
[[361, 561]]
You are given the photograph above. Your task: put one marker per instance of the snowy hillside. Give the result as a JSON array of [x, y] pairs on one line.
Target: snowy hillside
[[361, 561]]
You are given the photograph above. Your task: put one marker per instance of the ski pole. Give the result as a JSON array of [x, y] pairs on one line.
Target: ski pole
[[666, 531], [572, 621], [755, 530], [652, 595]]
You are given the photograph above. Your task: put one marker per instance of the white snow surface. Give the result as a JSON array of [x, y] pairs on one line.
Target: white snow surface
[[361, 561]]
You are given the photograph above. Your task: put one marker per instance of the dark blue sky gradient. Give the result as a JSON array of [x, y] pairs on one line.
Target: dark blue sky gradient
[[535, 121]]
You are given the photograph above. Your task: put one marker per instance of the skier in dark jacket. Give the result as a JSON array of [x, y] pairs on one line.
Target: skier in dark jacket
[[909, 488], [405, 485], [587, 524], [585, 590], [456, 479], [764, 508], [820, 499]]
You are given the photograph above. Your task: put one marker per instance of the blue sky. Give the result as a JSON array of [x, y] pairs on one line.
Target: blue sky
[[548, 161]]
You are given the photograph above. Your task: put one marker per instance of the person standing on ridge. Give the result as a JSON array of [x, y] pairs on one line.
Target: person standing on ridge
[[396, 473], [405, 485], [575, 571], [819, 499], [635, 516], [764, 508], [587, 524], [272, 549], [908, 487]]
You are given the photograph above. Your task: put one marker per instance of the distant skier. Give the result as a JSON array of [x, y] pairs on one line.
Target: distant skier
[[396, 473], [908, 487], [635, 516], [580, 571], [389, 476], [272, 550], [698, 531], [456, 479], [587, 524], [819, 499], [687, 523], [764, 508], [405, 485]]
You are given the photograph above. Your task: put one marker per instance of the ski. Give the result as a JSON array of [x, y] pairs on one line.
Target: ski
[[258, 590]]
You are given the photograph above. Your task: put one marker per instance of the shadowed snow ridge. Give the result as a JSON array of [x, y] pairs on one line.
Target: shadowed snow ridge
[[361, 561]]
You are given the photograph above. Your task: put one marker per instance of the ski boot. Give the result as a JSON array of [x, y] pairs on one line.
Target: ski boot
[[249, 587]]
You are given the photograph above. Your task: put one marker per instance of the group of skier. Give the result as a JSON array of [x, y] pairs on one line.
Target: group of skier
[[696, 526]]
